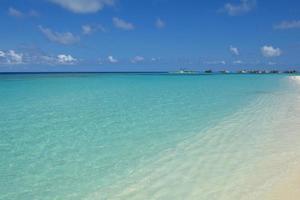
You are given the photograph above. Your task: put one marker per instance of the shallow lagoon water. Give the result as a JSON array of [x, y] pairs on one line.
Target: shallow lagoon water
[[135, 136]]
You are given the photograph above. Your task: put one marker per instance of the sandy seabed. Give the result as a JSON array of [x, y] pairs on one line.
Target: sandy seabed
[[253, 155]]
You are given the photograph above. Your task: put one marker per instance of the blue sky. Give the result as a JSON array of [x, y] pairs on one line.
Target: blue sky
[[152, 35]]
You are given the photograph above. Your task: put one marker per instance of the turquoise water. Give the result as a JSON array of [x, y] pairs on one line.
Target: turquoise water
[[132, 136]]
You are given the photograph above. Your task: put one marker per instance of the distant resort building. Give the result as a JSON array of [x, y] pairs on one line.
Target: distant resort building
[[184, 71], [208, 71]]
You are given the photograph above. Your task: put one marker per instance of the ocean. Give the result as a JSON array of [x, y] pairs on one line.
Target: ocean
[[147, 136]]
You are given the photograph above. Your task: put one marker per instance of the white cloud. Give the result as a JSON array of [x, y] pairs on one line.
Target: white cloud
[[122, 24], [2, 54], [17, 13], [237, 62], [111, 59], [66, 59], [83, 6], [160, 23], [155, 59], [270, 51], [234, 50], [62, 38], [11, 57], [288, 25], [137, 59], [15, 58], [14, 12], [89, 29], [243, 7]]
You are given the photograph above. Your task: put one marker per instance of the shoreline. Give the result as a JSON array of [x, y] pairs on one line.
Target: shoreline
[[288, 187], [188, 163], [152, 72]]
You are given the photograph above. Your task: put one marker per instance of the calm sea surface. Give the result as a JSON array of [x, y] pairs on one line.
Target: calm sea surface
[[138, 136]]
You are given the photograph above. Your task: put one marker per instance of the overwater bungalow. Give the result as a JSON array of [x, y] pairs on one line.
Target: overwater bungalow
[[208, 71]]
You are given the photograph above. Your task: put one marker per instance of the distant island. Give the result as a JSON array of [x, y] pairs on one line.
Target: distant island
[[209, 71]]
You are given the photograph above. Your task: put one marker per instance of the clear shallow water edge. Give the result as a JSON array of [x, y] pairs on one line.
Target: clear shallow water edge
[[130, 136]]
